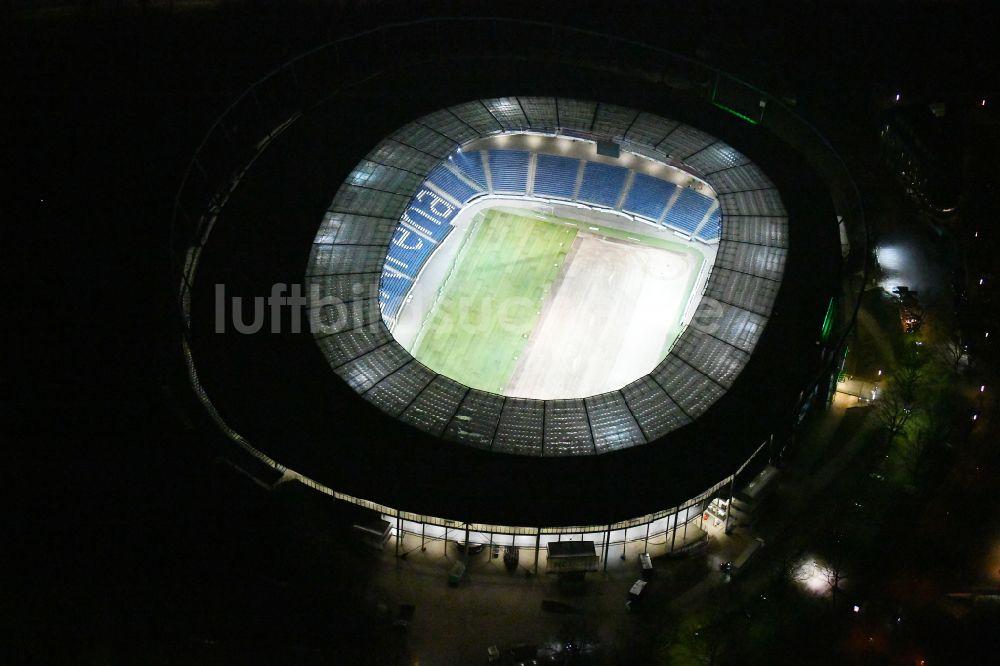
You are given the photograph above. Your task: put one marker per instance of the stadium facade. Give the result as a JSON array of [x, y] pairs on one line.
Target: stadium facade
[[382, 122]]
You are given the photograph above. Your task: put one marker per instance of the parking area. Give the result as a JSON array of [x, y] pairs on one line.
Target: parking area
[[496, 606]]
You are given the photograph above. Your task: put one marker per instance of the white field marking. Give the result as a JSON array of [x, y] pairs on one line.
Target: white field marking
[[606, 320]]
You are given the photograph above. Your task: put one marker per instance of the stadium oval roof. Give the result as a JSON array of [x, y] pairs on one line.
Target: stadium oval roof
[[350, 249]]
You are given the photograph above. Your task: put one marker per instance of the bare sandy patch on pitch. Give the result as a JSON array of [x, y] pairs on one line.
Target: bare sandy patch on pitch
[[607, 320]]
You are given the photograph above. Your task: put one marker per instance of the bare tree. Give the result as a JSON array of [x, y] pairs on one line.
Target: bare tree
[[894, 410]]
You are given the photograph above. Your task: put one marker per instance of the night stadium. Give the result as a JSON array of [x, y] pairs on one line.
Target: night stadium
[[374, 332], [581, 286]]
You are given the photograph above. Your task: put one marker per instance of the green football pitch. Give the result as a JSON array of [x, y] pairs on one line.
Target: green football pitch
[[492, 296], [490, 300]]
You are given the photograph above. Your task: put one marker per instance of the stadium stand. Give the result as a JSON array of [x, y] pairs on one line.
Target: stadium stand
[[462, 177], [602, 184], [429, 215], [470, 165], [393, 287], [688, 210], [384, 224], [509, 169], [555, 176], [408, 251], [648, 197], [450, 184], [712, 229]]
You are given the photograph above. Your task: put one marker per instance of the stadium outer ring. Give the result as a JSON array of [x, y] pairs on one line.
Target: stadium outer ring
[[210, 181]]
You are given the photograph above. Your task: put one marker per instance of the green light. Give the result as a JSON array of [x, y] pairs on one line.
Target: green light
[[735, 113], [831, 310]]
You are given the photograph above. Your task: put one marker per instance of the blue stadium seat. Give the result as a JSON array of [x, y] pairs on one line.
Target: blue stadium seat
[[555, 176], [451, 184], [602, 184], [392, 290], [712, 231], [648, 196], [509, 169], [471, 166], [429, 214], [688, 211], [426, 222], [408, 251]]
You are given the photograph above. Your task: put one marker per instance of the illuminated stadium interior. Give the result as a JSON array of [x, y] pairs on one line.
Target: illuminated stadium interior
[[468, 251], [572, 280]]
